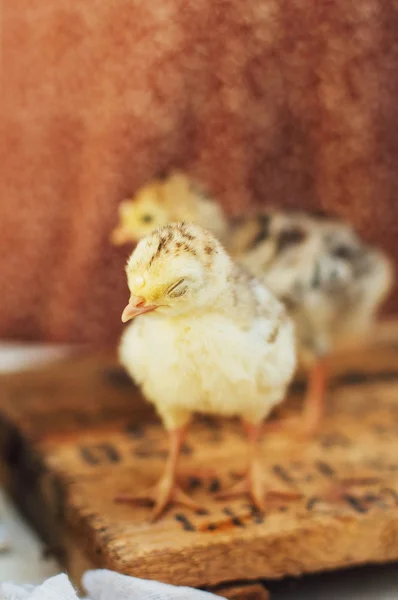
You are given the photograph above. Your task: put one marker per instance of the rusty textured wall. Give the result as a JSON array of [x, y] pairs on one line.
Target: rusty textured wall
[[284, 101]]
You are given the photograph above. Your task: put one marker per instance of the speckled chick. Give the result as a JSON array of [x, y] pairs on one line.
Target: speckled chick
[[331, 282], [209, 338], [176, 197]]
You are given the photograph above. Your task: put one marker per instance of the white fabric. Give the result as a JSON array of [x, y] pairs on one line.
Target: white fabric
[[102, 585], [55, 588]]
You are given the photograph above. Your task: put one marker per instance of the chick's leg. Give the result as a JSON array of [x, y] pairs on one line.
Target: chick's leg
[[314, 405], [166, 490], [253, 482]]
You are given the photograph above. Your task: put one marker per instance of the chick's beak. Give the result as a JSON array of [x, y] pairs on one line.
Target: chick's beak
[[135, 307]]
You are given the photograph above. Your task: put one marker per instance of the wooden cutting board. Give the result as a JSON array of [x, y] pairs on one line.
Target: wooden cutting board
[[76, 434]]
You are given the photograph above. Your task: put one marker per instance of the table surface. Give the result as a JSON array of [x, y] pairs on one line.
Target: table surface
[[23, 563]]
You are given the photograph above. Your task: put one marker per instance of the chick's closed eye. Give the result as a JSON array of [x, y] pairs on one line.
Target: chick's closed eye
[[179, 288]]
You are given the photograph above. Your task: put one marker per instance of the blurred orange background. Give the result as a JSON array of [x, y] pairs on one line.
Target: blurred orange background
[[266, 102]]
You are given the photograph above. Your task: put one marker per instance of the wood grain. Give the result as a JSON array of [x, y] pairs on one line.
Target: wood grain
[[76, 434]]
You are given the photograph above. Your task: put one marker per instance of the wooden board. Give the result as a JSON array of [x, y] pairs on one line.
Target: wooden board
[[74, 435], [250, 591], [254, 591]]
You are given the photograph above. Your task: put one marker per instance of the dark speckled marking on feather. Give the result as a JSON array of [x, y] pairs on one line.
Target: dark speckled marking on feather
[[157, 251], [290, 237], [161, 245], [316, 276], [154, 255], [344, 252], [209, 255], [289, 302], [264, 222], [274, 333], [165, 238], [189, 249], [183, 230]]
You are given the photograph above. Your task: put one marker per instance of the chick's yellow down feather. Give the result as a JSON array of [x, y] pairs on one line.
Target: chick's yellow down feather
[[208, 336]]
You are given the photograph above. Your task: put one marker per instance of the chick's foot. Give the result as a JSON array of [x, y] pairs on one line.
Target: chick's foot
[[166, 491], [253, 482], [161, 496], [257, 489]]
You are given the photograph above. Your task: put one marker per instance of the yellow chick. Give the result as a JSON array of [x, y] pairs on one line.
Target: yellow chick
[[174, 198], [207, 337], [331, 282]]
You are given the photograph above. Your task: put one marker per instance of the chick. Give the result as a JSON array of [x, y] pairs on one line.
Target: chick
[[208, 338], [174, 198], [331, 282]]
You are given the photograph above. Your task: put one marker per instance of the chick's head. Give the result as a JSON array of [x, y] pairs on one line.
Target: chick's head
[[176, 270], [140, 215], [155, 204]]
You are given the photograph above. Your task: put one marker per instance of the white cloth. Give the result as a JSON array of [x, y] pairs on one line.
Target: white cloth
[[102, 585]]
